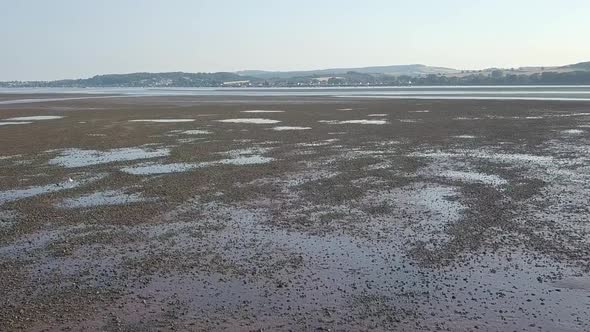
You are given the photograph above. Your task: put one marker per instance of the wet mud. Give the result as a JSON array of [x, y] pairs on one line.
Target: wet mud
[[196, 213]]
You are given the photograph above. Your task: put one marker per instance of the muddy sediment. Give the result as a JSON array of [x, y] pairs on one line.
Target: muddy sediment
[[308, 213]]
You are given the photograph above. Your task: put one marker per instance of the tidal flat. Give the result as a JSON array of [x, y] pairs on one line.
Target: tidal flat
[[196, 213]]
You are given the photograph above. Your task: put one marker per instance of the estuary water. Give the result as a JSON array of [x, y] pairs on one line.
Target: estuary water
[[557, 93]]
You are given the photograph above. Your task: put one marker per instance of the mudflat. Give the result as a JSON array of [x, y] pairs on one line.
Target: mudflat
[[294, 213]]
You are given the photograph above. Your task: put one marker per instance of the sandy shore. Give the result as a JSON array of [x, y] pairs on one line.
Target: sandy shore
[[175, 213]]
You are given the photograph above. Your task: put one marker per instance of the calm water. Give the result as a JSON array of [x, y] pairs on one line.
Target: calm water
[[424, 92]]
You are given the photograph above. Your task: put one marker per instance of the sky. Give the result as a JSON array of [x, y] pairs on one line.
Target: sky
[[46, 40]]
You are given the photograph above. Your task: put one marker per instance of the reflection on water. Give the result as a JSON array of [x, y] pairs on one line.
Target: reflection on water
[[36, 118], [16, 194], [71, 158]]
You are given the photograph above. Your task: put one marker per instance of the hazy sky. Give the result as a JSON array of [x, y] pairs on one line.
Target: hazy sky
[[52, 39]]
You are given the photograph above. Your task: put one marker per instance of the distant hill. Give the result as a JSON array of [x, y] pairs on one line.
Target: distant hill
[[398, 75], [158, 79], [171, 79], [410, 70], [580, 66]]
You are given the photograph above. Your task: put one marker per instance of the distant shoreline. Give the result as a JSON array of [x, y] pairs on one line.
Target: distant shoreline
[[11, 96], [383, 76]]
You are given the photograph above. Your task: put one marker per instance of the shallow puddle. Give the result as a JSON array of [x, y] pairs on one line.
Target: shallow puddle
[[464, 118], [250, 156], [71, 183], [474, 177], [10, 157], [71, 158], [196, 132], [246, 151], [13, 123], [371, 122], [263, 111], [155, 168], [503, 157], [163, 120], [101, 198], [573, 132], [250, 120], [246, 160], [36, 118], [281, 128]]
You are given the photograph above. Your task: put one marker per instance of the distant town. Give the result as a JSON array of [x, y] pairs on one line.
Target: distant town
[[401, 75]]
